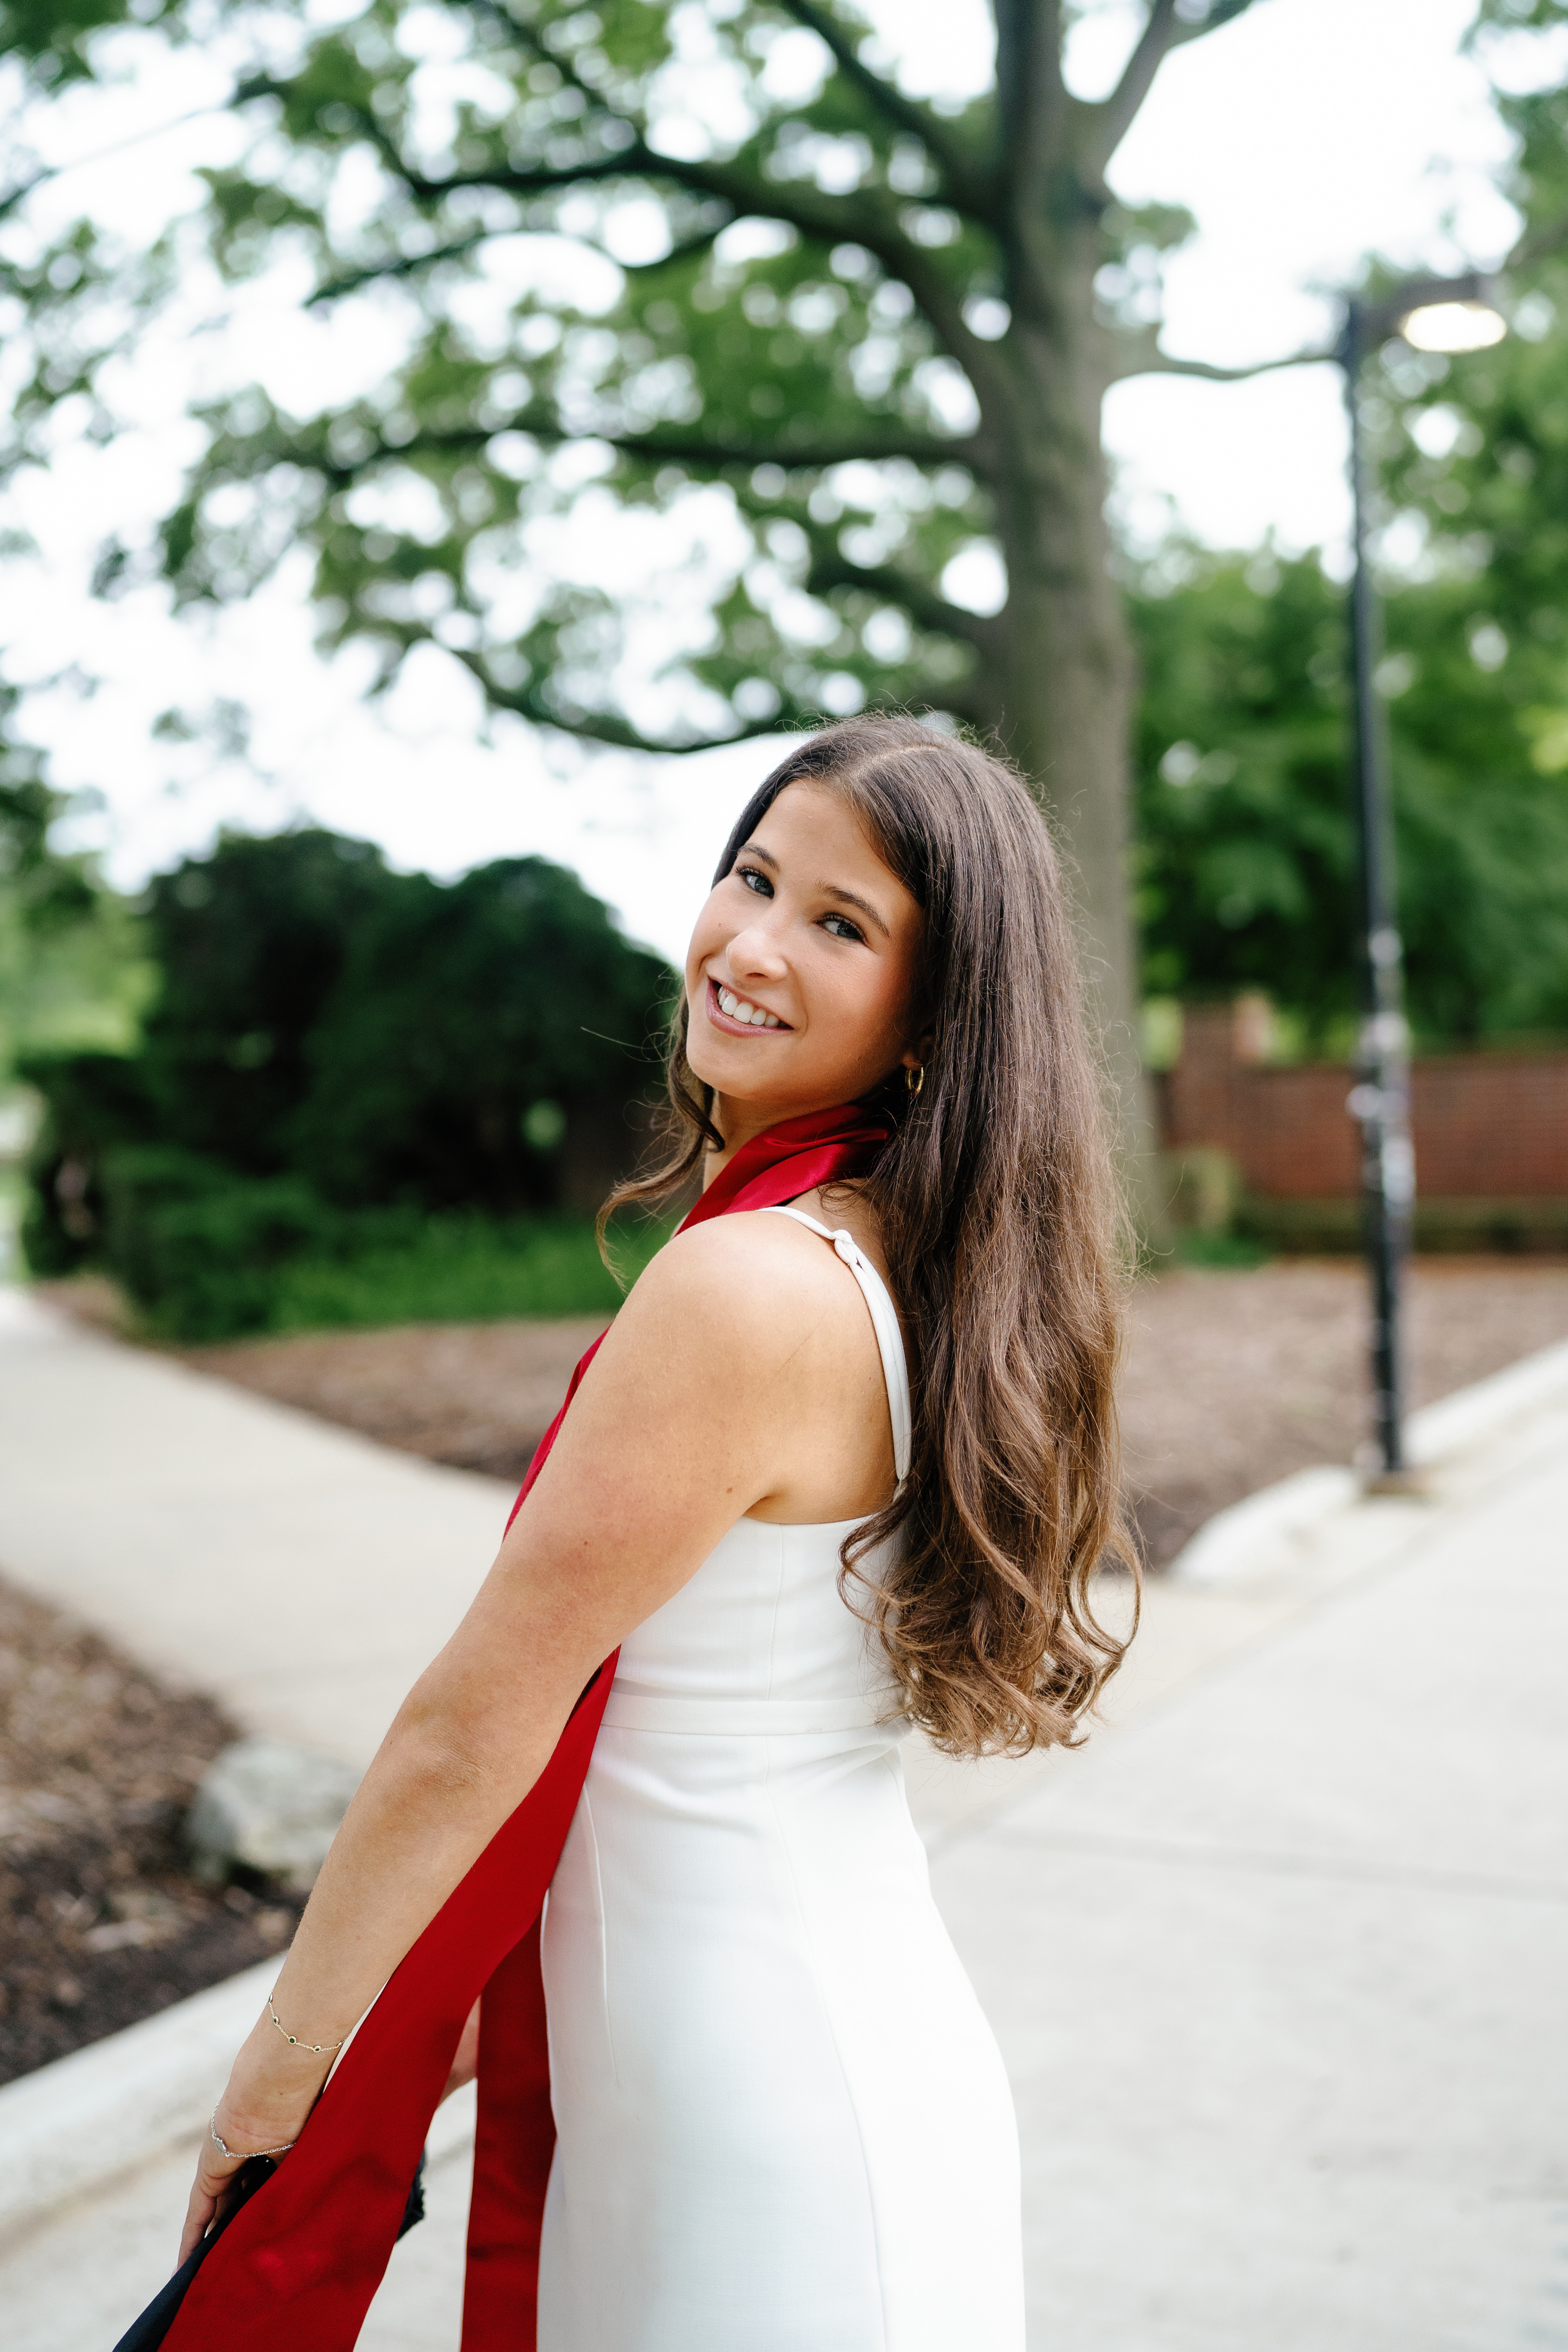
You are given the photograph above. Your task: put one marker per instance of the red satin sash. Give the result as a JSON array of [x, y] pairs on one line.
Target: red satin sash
[[298, 2265]]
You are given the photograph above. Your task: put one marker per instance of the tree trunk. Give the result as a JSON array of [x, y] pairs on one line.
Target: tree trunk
[[1066, 690]]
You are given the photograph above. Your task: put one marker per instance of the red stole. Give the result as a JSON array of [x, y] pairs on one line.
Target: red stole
[[298, 2265]]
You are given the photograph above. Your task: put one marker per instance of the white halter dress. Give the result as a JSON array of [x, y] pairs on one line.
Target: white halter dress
[[783, 2121]]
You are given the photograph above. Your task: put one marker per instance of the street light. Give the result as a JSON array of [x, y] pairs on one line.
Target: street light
[[1432, 314]]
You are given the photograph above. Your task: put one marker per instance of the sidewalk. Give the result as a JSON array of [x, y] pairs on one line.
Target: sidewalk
[[1276, 1961], [300, 1574]]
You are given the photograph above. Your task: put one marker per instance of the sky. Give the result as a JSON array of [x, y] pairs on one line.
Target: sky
[[1301, 137]]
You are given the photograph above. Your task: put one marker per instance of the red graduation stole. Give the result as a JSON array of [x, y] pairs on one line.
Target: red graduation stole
[[299, 2264]]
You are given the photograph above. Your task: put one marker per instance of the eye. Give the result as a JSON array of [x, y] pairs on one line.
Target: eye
[[843, 928], [755, 879]]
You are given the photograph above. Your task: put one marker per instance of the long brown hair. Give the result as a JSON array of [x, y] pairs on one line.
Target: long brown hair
[[1002, 1230]]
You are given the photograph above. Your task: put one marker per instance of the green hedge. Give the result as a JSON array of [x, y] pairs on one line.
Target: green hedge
[[204, 1255], [461, 1269]]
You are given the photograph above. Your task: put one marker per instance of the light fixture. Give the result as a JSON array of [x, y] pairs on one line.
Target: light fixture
[[1453, 327]]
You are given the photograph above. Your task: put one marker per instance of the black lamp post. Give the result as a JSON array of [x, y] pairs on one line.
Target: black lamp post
[[1432, 314]]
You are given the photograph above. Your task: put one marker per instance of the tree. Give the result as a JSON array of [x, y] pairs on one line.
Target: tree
[[885, 328], [1245, 857]]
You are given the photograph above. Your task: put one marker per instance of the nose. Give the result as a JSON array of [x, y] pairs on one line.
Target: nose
[[753, 953]]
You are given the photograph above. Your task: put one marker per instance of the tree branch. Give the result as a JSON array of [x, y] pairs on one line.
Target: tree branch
[[1150, 360], [408, 265], [24, 188], [538, 180], [1031, 98], [833, 220], [791, 718], [403, 265], [972, 191], [830, 569], [1114, 116], [1377, 318], [921, 449], [1163, 32], [685, 249], [670, 448], [602, 727], [825, 219]]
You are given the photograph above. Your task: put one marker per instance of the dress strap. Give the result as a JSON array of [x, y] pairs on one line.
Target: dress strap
[[884, 1322]]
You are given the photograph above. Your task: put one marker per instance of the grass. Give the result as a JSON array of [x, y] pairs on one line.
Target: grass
[[1235, 1250], [463, 1269]]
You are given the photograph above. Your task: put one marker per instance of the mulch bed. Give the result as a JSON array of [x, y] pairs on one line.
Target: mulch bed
[[1232, 1379], [100, 1923], [478, 1395]]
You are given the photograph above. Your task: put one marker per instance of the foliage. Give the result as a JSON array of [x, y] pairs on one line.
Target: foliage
[[1246, 855], [199, 1250], [72, 970], [204, 1255], [460, 1007], [1246, 850], [328, 1036], [461, 1268], [821, 296], [712, 266]]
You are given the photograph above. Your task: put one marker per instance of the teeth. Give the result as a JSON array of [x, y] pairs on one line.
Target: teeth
[[740, 1008]]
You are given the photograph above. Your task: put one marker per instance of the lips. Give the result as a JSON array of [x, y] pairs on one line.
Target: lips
[[747, 1019]]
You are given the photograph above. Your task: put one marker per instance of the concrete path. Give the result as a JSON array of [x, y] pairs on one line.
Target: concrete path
[[1276, 1962], [302, 1575]]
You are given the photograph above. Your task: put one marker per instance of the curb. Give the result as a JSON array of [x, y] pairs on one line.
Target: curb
[[73, 2128], [74, 2123], [1455, 1422], [1227, 1546]]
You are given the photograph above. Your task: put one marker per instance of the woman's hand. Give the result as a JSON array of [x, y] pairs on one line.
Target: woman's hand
[[269, 2096]]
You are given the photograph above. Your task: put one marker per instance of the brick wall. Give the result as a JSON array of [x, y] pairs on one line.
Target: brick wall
[[1486, 1126]]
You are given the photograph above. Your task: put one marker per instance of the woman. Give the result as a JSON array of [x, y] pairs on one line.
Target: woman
[[782, 2122]]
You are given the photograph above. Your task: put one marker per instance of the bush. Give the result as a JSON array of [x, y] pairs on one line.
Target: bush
[[207, 1255], [336, 1053], [199, 1250], [92, 1102], [461, 1269]]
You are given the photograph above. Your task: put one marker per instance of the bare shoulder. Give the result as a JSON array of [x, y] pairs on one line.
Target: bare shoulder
[[763, 1280], [741, 1325], [744, 1368]]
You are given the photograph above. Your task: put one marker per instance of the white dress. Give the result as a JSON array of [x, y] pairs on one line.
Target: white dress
[[783, 2123]]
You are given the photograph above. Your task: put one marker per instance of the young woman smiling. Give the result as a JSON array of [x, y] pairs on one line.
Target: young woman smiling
[[832, 1472]]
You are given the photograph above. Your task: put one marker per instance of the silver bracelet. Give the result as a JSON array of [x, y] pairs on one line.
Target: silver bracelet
[[242, 2154]]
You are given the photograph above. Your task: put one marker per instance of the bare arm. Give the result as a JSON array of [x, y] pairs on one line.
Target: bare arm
[[736, 1354]]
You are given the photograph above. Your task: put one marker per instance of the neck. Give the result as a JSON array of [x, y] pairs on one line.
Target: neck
[[741, 1123], [738, 1123]]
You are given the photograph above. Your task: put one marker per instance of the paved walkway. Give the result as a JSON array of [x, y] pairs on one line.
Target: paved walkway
[[300, 1574], [1276, 1962]]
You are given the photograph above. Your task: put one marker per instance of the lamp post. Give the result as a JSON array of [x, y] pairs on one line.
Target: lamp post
[[1432, 314]]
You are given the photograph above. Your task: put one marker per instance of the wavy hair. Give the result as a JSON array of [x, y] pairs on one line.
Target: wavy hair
[[1004, 1238]]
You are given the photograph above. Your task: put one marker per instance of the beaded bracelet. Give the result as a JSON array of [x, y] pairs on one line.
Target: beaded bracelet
[[317, 2049]]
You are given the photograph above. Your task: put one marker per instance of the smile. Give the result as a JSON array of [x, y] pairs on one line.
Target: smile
[[734, 1013]]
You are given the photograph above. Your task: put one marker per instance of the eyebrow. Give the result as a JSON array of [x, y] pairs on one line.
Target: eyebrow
[[828, 889]]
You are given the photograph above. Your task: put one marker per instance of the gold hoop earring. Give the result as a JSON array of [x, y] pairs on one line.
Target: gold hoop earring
[[915, 1078]]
